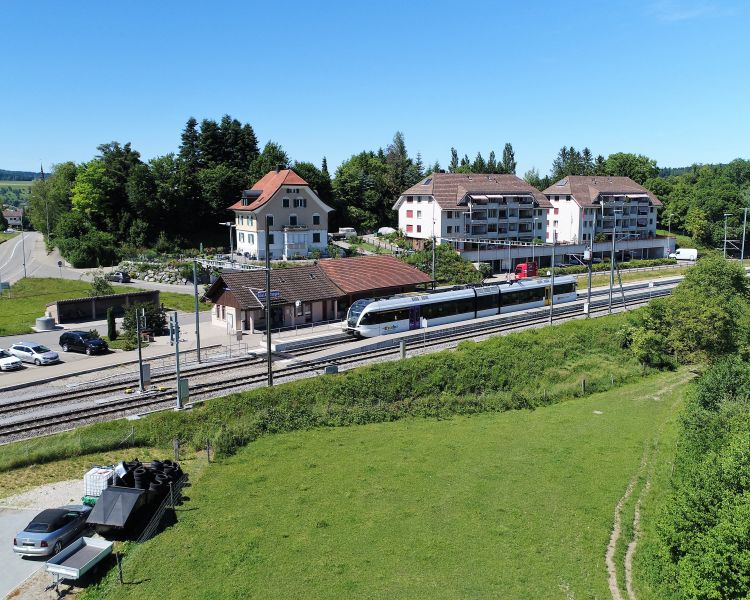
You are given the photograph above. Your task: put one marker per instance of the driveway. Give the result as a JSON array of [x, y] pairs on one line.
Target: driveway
[[14, 568]]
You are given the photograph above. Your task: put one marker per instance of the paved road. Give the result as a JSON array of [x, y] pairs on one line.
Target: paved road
[[39, 263], [14, 569]]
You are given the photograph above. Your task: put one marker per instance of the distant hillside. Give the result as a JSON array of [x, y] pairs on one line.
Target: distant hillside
[[17, 175]]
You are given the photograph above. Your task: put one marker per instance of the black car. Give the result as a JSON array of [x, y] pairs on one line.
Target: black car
[[119, 277], [82, 341]]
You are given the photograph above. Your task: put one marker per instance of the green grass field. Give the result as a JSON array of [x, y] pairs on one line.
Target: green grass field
[[28, 299], [4, 237], [16, 184], [512, 505]]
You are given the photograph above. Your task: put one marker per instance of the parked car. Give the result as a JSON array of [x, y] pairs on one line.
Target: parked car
[[51, 530], [82, 341], [34, 353], [8, 362], [118, 276]]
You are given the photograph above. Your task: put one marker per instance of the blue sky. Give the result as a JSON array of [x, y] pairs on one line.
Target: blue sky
[[666, 78]]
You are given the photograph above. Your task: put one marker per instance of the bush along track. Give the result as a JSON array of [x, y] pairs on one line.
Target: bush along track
[[520, 371]]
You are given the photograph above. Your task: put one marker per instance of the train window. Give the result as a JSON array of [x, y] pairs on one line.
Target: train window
[[487, 302], [565, 288], [465, 305]]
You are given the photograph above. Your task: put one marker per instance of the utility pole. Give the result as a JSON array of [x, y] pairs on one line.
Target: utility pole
[[268, 303], [590, 265], [174, 337], [23, 248], [46, 207], [140, 314], [552, 282], [744, 226], [612, 261], [725, 233], [433, 251], [197, 311]]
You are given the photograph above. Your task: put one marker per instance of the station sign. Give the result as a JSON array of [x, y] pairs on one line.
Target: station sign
[[261, 295]]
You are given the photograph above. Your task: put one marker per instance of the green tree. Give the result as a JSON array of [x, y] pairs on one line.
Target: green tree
[[453, 165], [100, 286], [509, 160], [363, 194], [3, 222], [156, 319], [636, 166], [479, 165], [272, 157]]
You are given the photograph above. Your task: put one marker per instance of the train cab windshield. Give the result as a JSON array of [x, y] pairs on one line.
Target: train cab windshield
[[355, 310]]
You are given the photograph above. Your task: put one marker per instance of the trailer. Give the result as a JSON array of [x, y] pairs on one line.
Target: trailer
[[79, 558]]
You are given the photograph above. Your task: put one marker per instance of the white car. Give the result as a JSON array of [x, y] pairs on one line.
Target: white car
[[32, 352], [8, 362]]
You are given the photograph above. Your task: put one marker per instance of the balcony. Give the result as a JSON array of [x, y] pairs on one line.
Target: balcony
[[476, 215], [526, 214], [295, 246], [477, 230], [297, 227]]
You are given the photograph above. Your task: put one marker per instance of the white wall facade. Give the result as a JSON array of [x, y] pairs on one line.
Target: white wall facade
[[300, 224]]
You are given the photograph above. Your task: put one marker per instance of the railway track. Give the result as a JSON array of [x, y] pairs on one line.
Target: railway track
[[69, 417]]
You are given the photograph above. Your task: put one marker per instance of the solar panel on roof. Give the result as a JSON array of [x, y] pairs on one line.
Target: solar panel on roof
[[427, 181]]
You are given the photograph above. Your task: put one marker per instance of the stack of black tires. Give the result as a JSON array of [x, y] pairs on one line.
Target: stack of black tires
[[154, 476]]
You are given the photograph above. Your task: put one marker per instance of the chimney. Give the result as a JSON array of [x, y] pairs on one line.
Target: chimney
[[278, 168]]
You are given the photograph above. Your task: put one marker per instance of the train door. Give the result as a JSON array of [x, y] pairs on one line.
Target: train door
[[414, 321], [547, 295]]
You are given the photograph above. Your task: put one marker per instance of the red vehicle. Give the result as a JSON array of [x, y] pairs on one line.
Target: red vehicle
[[527, 269]]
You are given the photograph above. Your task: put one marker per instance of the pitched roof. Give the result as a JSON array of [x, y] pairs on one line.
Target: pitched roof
[[305, 283], [13, 212], [367, 273], [268, 185], [585, 189], [449, 188]]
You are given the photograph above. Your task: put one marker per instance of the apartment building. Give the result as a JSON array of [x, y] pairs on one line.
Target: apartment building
[[299, 219], [462, 207], [584, 206]]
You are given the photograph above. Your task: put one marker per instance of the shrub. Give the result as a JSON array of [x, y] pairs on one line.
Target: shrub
[[156, 320], [111, 326]]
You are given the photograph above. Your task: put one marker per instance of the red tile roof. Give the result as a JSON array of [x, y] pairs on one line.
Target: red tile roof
[[13, 212], [268, 185], [585, 189], [449, 188], [365, 273]]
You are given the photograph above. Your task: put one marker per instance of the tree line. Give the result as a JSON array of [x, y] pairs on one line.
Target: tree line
[[118, 203]]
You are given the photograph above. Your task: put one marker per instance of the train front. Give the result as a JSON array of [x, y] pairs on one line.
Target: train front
[[352, 316]]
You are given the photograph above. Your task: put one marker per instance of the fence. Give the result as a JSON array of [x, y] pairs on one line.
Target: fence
[[295, 330], [173, 498]]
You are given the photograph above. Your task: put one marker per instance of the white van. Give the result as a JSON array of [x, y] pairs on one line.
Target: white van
[[685, 254]]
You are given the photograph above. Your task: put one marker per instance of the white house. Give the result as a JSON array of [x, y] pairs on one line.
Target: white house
[[299, 219], [460, 208], [14, 216], [586, 206]]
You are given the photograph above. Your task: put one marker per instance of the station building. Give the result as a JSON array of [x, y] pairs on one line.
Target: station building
[[307, 294]]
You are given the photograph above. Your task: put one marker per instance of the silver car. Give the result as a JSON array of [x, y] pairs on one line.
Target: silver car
[[51, 530], [8, 362], [32, 352]]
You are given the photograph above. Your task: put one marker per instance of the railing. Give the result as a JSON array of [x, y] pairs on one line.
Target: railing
[[295, 330], [173, 497]]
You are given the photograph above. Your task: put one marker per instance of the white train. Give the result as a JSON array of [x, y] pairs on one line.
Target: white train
[[370, 318]]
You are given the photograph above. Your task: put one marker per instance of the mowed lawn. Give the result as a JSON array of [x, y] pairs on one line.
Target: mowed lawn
[[510, 505], [28, 299]]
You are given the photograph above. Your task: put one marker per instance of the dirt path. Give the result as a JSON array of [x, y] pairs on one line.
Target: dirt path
[[614, 588]]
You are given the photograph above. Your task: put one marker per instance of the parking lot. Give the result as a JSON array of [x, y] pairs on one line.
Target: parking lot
[[14, 568]]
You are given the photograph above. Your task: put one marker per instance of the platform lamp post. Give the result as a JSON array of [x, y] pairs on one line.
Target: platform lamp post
[[231, 239], [744, 226], [669, 224], [268, 300], [552, 281], [533, 237], [725, 233]]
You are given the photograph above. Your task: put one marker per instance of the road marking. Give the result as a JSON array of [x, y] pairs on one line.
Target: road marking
[[19, 242]]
